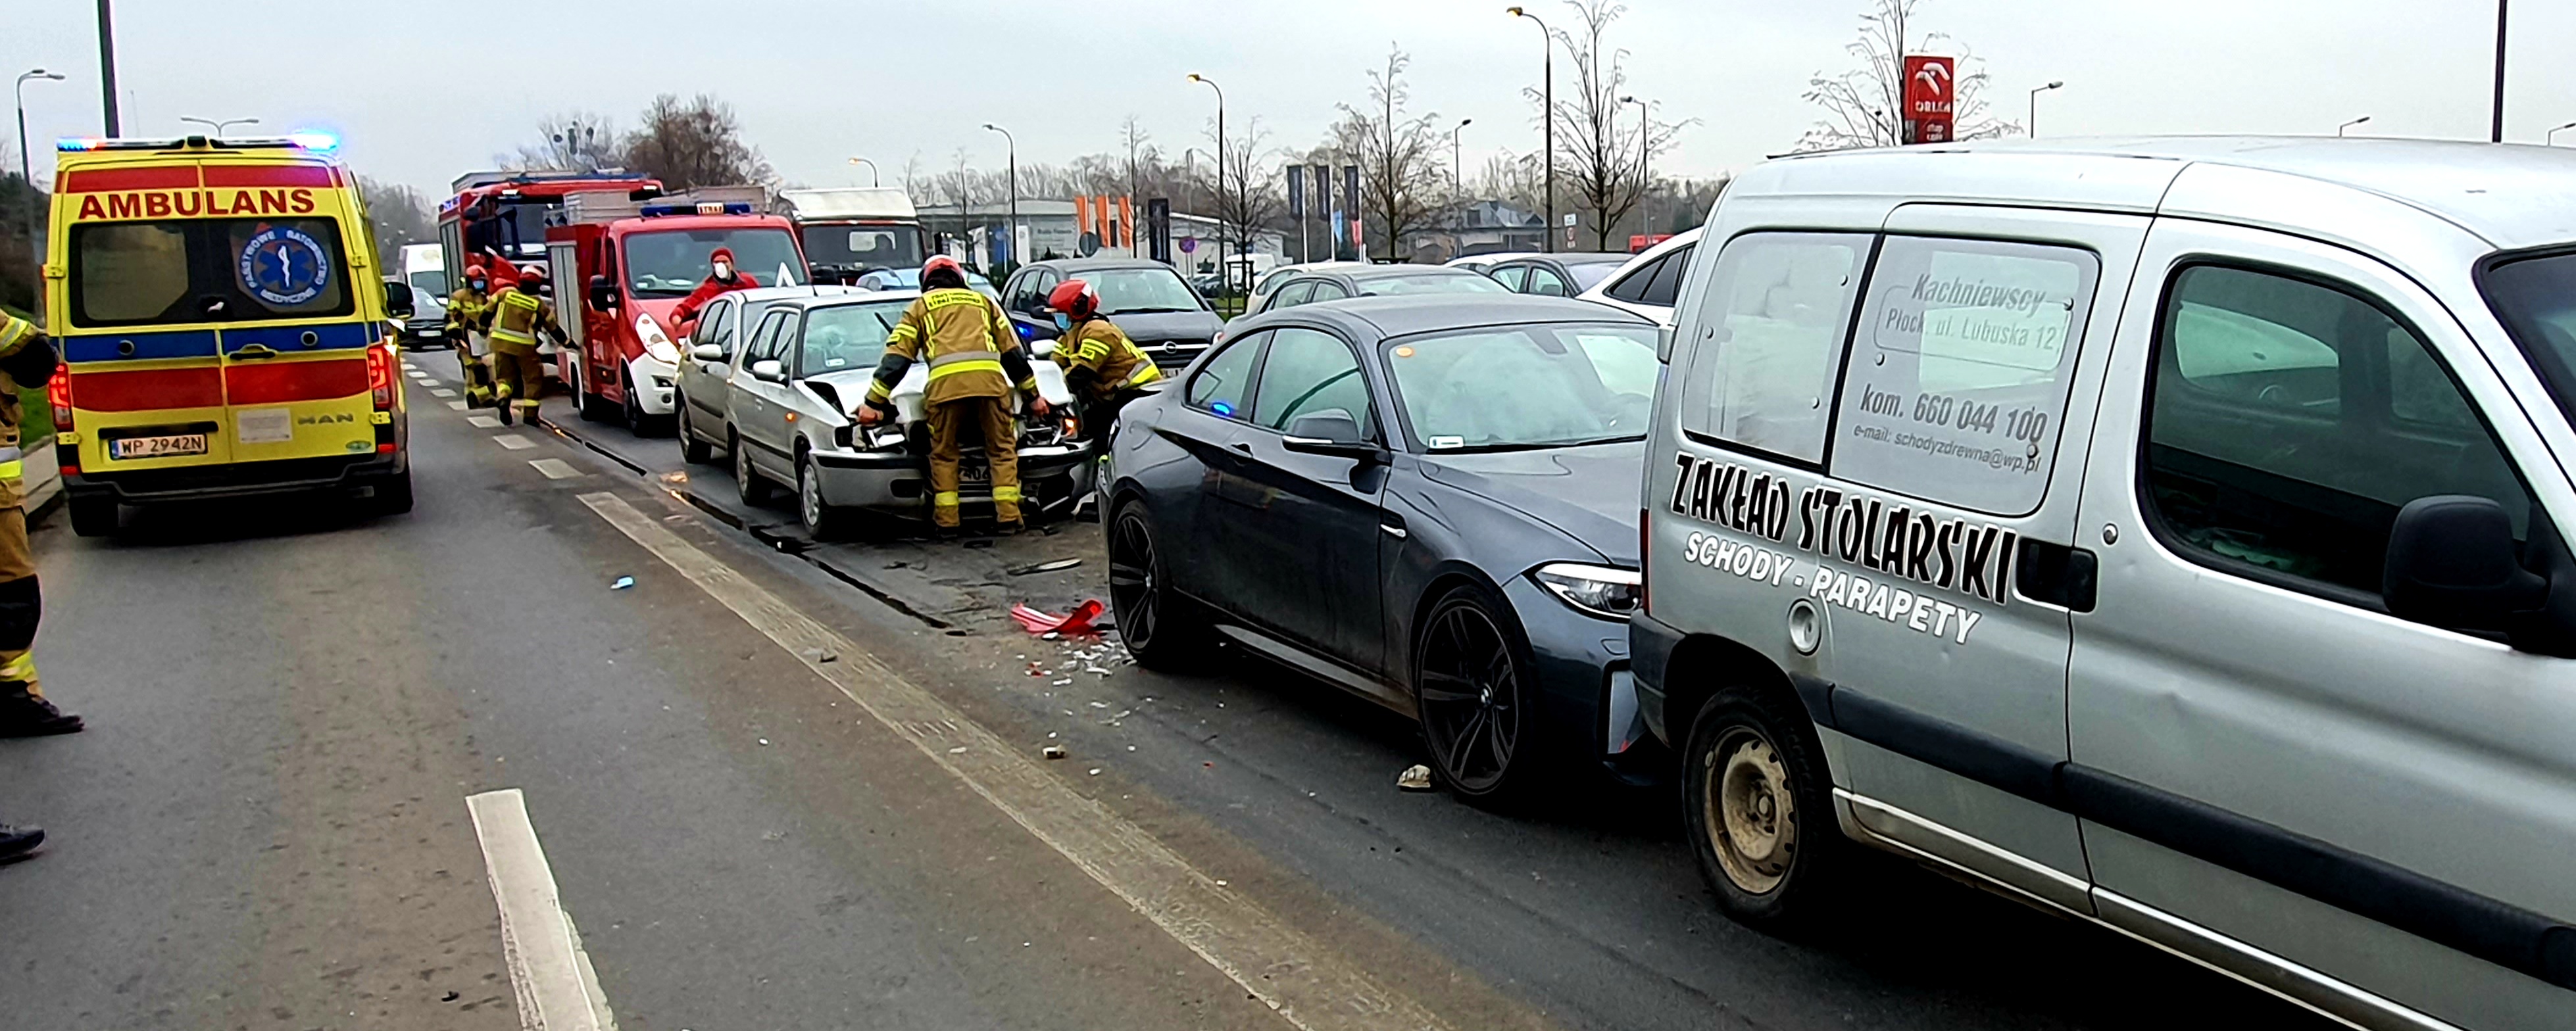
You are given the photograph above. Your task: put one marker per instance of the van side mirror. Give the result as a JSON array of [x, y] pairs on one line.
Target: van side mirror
[[2451, 564], [398, 299], [1330, 432], [603, 294]]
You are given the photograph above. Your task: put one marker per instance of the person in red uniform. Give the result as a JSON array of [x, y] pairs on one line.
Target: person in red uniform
[[724, 280]]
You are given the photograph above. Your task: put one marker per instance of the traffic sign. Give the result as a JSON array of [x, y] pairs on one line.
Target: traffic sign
[[1189, 245]]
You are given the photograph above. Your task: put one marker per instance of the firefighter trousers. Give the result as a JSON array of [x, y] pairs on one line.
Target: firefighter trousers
[[22, 605], [950, 423], [478, 376], [517, 376]]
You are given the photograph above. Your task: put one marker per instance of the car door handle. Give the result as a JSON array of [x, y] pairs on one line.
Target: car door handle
[[1396, 532], [1244, 446]]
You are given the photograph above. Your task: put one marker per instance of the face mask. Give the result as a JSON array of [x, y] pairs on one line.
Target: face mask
[[1063, 321], [724, 271], [478, 284]]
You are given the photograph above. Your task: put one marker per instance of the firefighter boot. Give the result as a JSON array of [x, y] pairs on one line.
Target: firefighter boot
[[16, 842], [25, 714]]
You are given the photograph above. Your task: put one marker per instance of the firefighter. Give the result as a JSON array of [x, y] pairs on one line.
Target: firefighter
[[27, 359], [519, 312], [976, 366], [469, 313], [1104, 368], [724, 279]]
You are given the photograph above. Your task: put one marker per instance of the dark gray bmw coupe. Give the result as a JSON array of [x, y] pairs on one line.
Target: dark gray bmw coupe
[[1429, 501]]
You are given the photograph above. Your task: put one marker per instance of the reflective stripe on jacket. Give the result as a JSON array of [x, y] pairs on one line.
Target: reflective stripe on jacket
[[1099, 360], [968, 343], [27, 359], [517, 317]]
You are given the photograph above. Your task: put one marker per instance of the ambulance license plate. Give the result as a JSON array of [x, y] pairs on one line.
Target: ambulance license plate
[[167, 446]]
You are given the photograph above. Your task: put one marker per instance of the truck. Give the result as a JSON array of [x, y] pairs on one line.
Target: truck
[[623, 263], [423, 267], [506, 213], [851, 231]]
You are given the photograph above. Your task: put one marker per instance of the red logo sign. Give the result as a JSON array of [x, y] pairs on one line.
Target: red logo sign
[[1928, 88]]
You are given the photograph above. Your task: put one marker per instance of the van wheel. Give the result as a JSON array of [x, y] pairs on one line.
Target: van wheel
[[633, 410], [693, 449], [1757, 803], [92, 516], [1162, 629], [1471, 687], [393, 496], [747, 483], [822, 522]]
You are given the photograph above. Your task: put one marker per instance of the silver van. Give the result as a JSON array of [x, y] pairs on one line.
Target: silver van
[[2166, 533]]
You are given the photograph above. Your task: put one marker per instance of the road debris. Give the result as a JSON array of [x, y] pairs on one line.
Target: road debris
[[1077, 622], [621, 583], [1052, 751], [1044, 567], [1416, 777], [821, 655], [764, 741]]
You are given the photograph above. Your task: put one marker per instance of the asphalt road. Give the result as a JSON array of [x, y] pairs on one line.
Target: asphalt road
[[267, 825]]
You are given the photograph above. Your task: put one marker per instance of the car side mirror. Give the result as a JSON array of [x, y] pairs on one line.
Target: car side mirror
[[603, 294], [2451, 564], [708, 353], [399, 302], [1330, 432], [769, 370]]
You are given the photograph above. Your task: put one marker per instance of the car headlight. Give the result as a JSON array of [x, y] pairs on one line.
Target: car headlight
[[656, 343], [1592, 590]]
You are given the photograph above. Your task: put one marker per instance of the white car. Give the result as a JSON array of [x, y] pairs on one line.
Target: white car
[[1648, 282], [1486, 262], [707, 365], [1270, 280], [806, 366]]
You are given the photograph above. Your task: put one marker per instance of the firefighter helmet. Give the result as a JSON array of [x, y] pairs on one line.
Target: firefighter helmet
[[1075, 298], [944, 266]]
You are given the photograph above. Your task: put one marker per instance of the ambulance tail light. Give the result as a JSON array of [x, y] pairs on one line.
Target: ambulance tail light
[[58, 393], [380, 378]]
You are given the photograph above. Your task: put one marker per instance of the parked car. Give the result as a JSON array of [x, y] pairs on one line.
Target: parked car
[[1648, 282], [701, 399], [2171, 534], [1555, 275], [423, 268], [1427, 501], [1333, 284], [1482, 262], [1145, 299], [1270, 281], [802, 371]]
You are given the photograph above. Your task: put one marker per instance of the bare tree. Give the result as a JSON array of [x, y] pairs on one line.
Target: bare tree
[[397, 215], [1402, 180], [571, 140], [1139, 145], [693, 143], [1865, 106], [1601, 155], [1250, 200]]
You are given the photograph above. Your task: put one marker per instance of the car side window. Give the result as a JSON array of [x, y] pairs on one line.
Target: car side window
[[1292, 295], [1040, 286], [1668, 279], [1632, 287], [1310, 371], [1544, 282], [764, 343], [1327, 290], [1221, 386], [2291, 419], [1511, 276], [1955, 387], [1767, 341], [716, 328]]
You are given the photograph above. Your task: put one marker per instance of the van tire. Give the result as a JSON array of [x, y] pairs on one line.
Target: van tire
[[593, 407], [393, 494], [92, 516], [1757, 805]]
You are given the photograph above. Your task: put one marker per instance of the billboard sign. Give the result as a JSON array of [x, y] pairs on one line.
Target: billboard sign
[[1929, 89]]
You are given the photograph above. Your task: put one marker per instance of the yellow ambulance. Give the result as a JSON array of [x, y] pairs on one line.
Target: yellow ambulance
[[223, 327]]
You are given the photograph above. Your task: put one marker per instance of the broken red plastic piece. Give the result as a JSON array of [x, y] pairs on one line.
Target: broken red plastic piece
[[1076, 622]]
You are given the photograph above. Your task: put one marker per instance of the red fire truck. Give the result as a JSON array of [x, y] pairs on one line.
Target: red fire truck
[[505, 213], [621, 264]]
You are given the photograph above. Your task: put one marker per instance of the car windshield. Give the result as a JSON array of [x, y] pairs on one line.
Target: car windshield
[[432, 283], [1517, 387], [1136, 291], [864, 247], [671, 263], [1456, 282], [847, 336], [1589, 274], [2535, 298]]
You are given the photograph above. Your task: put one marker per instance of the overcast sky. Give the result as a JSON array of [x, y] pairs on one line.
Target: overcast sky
[[423, 92]]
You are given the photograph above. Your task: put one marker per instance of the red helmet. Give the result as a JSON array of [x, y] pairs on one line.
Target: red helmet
[[1075, 298], [474, 271], [532, 272], [940, 263]]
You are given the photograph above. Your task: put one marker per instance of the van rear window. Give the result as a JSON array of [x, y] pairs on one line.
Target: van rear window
[[207, 270]]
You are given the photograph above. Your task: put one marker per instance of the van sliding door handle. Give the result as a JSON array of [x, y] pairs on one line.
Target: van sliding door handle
[[2057, 574]]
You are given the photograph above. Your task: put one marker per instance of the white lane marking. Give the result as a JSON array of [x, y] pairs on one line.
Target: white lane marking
[[441, 392], [555, 468], [557, 988], [488, 422], [513, 441], [1310, 985], [456, 406]]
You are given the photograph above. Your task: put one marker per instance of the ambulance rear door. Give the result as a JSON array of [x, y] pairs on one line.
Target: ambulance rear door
[[295, 344]]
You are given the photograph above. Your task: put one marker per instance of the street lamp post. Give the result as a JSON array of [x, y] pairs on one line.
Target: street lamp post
[[2496, 134], [26, 173], [1457, 184], [1224, 254], [1645, 181], [1547, 118], [1190, 193], [872, 170], [2552, 138], [2034, 105], [1013, 149], [2357, 121], [218, 125], [107, 69]]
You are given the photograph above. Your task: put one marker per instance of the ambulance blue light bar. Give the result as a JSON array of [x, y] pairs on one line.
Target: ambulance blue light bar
[[702, 208], [310, 139]]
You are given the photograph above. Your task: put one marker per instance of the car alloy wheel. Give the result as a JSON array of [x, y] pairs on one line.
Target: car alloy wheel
[[1470, 695], [1751, 812], [1160, 628], [746, 480], [822, 521], [693, 449]]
